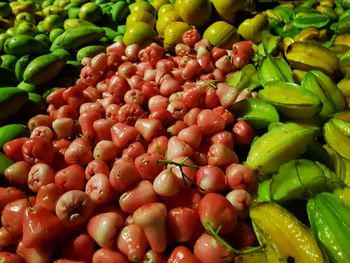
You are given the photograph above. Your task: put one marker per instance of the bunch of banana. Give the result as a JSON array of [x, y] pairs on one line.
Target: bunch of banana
[[340, 165], [284, 237], [301, 179], [337, 135], [281, 143], [291, 100], [330, 222], [326, 90], [308, 56], [273, 69]]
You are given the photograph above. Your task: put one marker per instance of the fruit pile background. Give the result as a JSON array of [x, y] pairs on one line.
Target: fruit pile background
[[174, 131]]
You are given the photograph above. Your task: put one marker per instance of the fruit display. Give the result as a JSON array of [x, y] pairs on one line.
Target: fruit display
[[140, 131]]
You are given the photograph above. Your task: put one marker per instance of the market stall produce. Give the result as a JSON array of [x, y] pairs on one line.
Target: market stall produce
[[140, 131]]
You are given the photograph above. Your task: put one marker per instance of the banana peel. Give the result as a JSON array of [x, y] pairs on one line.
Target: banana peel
[[284, 237], [307, 56], [283, 142]]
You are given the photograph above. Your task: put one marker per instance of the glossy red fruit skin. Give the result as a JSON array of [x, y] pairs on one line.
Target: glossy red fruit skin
[[105, 255], [215, 210], [13, 214], [209, 250], [38, 150], [13, 149], [40, 227], [8, 195], [79, 247], [137, 196], [243, 133], [182, 254], [182, 221], [132, 242]]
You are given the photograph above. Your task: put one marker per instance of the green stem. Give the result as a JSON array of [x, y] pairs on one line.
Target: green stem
[[210, 83], [182, 164], [179, 164], [222, 241]]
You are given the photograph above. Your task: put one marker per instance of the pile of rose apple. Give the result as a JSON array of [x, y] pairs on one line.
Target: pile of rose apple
[[136, 162]]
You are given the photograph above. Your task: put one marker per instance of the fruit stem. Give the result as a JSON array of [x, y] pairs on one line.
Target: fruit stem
[[210, 83], [183, 175], [222, 241], [179, 164]]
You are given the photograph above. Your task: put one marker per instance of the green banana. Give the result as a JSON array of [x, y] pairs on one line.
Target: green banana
[[78, 36], [27, 87], [21, 65], [12, 100], [8, 61], [291, 100], [307, 56], [21, 45], [301, 179], [90, 51], [283, 142], [284, 237], [71, 23], [4, 162], [273, 69], [44, 68], [11, 131], [7, 77], [119, 11], [337, 135], [34, 106], [330, 222], [258, 113], [326, 90]]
